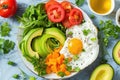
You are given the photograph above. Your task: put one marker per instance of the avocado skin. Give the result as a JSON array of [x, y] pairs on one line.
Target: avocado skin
[[114, 52], [25, 44], [107, 67]]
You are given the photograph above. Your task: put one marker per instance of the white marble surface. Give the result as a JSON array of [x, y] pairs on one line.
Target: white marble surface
[[7, 71]]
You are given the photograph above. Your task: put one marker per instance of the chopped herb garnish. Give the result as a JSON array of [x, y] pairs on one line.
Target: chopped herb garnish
[[66, 60], [93, 39], [5, 29], [92, 16], [16, 76], [69, 68], [12, 63], [79, 2], [75, 57], [62, 74], [86, 31], [77, 69], [6, 46], [32, 78], [109, 30], [70, 33], [83, 50]]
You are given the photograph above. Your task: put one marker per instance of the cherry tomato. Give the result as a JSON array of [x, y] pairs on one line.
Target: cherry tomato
[[75, 16], [7, 8], [66, 23], [51, 2], [56, 13], [67, 6]]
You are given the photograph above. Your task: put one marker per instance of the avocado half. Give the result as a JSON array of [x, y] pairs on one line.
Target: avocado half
[[116, 53], [103, 72], [25, 44]]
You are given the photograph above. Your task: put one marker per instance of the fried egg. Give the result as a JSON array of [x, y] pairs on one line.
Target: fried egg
[[81, 41]]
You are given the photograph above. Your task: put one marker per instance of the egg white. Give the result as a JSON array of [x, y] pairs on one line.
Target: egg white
[[91, 47]]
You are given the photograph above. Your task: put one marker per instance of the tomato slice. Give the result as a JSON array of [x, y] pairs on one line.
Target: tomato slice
[[51, 2], [66, 23], [67, 6], [75, 16], [56, 13]]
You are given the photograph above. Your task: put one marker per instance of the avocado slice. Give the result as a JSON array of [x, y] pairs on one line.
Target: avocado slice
[[44, 43], [102, 72], [25, 45], [57, 33], [116, 53]]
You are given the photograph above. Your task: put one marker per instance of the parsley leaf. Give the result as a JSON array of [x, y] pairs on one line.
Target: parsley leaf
[[92, 16], [32, 78], [16, 76], [79, 2], [12, 63], [6, 45], [77, 69], [86, 31], [108, 30], [62, 74], [5, 29]]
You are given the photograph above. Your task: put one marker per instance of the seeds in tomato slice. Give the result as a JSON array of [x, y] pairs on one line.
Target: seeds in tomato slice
[[56, 13]]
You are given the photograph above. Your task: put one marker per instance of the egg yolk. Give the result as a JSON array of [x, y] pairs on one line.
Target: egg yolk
[[75, 46]]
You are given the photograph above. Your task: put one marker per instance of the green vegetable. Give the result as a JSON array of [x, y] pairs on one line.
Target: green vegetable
[[69, 68], [35, 16], [79, 2], [93, 39], [86, 31], [75, 57], [70, 33], [16, 76], [92, 16], [11, 63], [5, 29], [108, 30], [32, 78], [66, 61], [62, 74], [6, 45], [77, 69]]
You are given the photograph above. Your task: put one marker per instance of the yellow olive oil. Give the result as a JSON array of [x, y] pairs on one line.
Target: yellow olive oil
[[101, 6]]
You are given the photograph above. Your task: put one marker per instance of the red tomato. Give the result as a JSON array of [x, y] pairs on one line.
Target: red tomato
[[49, 3], [67, 6], [56, 13], [75, 16], [7, 8], [66, 23]]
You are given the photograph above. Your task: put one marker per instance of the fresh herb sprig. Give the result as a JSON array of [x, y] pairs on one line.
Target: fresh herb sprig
[[6, 45], [5, 29], [36, 16], [79, 2], [109, 31]]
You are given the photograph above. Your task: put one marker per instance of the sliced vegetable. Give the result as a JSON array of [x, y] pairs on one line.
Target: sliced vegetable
[[116, 52], [51, 2], [56, 13], [66, 23], [67, 6], [75, 16]]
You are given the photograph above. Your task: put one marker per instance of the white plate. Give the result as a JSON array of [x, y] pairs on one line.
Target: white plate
[[53, 75]]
